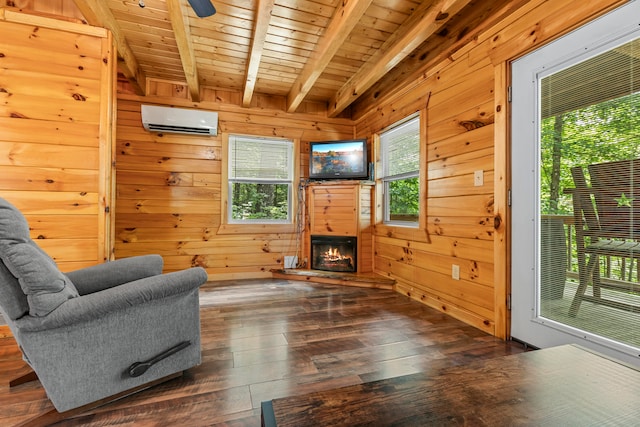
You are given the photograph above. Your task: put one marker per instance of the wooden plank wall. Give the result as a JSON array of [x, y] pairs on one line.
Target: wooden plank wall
[[467, 130], [169, 187], [333, 209], [55, 132]]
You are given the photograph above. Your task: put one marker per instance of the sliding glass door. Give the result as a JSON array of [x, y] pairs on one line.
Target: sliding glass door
[[576, 189]]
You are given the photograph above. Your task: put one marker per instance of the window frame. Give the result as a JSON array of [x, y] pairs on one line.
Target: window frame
[[231, 226], [400, 229], [388, 179], [386, 182]]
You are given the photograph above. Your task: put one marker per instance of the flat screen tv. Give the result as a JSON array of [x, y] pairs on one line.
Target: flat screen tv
[[344, 159]]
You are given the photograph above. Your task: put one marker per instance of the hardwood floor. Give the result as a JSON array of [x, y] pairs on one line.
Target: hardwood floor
[[565, 385], [265, 339]]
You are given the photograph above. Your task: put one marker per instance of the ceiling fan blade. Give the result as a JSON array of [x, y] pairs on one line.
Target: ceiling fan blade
[[202, 8]]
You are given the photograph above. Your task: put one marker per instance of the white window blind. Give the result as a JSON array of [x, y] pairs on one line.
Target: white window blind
[[400, 149], [259, 159], [612, 74], [590, 141], [260, 180]]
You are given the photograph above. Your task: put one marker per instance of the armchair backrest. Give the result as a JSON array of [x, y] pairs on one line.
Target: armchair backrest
[[23, 262], [13, 302]]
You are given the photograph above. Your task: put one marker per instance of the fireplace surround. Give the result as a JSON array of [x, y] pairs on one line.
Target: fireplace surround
[[334, 253]]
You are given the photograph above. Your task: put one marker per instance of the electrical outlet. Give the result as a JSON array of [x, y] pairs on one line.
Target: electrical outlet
[[478, 178], [290, 261], [455, 272]]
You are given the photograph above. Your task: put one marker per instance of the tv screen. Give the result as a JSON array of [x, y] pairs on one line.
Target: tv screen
[[338, 159]]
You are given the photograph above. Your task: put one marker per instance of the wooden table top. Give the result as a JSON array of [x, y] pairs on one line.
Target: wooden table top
[[560, 386]]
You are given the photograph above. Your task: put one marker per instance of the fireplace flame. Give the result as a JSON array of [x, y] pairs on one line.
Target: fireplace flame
[[333, 255]]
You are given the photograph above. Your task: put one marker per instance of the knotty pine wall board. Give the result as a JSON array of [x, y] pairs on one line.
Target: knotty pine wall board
[[471, 227], [458, 185], [54, 132], [169, 184], [474, 300], [30, 178], [47, 155], [480, 272], [55, 145], [332, 210], [462, 144], [169, 188], [466, 225]]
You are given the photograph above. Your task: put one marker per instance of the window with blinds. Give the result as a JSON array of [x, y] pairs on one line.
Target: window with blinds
[[260, 179], [400, 157], [590, 194]]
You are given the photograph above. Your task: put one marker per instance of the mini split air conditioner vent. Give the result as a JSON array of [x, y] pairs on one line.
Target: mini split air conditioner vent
[[179, 120], [177, 129]]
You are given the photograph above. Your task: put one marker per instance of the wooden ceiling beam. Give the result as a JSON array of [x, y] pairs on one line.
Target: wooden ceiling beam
[[345, 18], [427, 19], [263, 18], [182, 32], [97, 13], [457, 33]]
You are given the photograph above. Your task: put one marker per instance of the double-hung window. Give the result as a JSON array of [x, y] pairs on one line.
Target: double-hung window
[[260, 180], [400, 157]]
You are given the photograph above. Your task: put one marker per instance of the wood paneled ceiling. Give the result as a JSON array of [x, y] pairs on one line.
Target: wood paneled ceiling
[[337, 52]]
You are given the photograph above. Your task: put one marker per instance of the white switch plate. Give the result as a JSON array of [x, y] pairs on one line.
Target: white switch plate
[[478, 178], [455, 272]]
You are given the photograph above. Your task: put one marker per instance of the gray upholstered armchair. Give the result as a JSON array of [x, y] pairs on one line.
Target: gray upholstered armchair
[[87, 334]]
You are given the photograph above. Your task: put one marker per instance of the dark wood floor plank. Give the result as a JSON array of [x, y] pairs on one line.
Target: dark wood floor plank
[[561, 386], [296, 386], [266, 339]]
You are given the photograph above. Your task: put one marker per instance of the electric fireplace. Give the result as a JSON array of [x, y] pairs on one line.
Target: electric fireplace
[[334, 253]]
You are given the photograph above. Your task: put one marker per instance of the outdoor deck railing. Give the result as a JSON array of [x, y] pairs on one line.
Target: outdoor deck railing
[[613, 270]]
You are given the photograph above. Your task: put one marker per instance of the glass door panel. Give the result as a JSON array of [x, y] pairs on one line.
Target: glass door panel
[[576, 152]]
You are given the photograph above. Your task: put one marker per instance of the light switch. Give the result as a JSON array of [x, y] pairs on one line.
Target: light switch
[[455, 272], [478, 178]]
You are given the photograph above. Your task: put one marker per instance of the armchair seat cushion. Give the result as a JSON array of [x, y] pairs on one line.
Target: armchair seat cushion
[[44, 285]]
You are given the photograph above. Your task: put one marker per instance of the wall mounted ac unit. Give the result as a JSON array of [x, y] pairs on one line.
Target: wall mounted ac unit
[[179, 120]]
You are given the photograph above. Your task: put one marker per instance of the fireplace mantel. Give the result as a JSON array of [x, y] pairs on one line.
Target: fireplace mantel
[[342, 209]]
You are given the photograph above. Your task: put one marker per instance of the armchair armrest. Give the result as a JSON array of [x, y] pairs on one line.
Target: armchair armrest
[[111, 300], [113, 273]]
